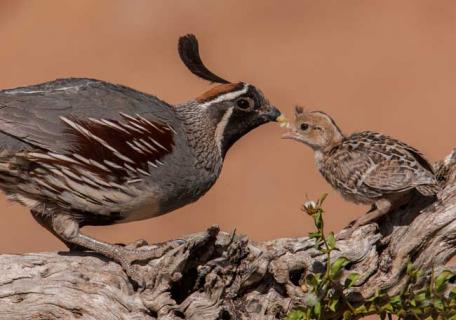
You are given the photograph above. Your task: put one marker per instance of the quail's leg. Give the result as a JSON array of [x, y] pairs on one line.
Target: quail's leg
[[44, 218], [381, 207], [67, 229]]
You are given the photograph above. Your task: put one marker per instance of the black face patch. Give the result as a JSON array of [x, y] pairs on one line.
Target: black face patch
[[243, 117], [239, 124]]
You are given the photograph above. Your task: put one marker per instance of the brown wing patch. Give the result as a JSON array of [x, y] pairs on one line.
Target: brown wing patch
[[115, 151], [219, 90], [103, 153], [129, 145]]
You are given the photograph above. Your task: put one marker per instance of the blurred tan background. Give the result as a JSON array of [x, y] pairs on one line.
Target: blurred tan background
[[388, 66]]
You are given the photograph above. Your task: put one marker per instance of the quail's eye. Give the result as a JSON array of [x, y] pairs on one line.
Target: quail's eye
[[243, 103], [304, 126]]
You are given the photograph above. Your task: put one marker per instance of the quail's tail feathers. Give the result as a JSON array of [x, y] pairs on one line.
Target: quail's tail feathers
[[428, 190]]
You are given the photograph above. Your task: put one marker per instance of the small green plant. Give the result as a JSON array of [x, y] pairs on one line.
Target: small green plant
[[325, 293]]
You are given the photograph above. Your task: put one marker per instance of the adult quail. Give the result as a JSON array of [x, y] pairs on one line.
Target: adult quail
[[83, 152], [365, 167]]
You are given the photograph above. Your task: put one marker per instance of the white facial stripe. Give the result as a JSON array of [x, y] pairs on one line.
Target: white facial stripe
[[226, 96], [221, 128]]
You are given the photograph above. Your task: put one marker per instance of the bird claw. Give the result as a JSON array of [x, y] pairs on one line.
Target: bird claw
[[131, 258], [132, 254], [135, 274]]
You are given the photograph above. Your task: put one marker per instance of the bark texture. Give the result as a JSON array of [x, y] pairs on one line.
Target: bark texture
[[216, 275]]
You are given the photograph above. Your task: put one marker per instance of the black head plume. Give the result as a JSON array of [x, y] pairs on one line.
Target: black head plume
[[189, 53]]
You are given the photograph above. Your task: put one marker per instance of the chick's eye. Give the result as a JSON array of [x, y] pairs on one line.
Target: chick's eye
[[243, 103], [304, 126]]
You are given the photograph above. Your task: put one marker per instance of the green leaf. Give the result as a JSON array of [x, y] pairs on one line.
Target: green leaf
[[372, 308], [313, 279], [361, 310], [318, 220], [322, 199], [442, 279], [388, 307], [333, 304], [317, 309], [410, 268], [315, 235], [338, 265], [295, 315], [351, 279], [347, 315], [420, 297], [395, 299], [453, 293], [331, 240], [438, 304]]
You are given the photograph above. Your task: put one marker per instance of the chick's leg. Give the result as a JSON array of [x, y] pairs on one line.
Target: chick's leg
[[382, 207]]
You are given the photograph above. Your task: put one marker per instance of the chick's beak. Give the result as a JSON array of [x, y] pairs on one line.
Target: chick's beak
[[292, 134]]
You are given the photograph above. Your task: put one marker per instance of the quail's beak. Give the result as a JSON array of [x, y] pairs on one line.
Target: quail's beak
[[283, 121], [271, 113], [274, 114]]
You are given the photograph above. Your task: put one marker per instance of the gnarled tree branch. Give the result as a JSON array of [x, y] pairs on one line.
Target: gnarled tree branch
[[216, 275]]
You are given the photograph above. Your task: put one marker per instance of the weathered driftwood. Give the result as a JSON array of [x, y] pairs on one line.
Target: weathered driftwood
[[216, 275]]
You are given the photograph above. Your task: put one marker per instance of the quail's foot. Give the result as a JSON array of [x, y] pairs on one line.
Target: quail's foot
[[131, 259], [146, 252]]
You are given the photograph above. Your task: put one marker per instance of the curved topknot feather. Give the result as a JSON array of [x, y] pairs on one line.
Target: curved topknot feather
[[189, 54]]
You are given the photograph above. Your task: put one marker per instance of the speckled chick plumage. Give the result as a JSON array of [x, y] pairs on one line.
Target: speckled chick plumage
[[369, 165], [366, 166]]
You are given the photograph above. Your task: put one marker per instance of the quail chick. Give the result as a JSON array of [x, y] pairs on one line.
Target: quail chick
[[81, 152], [365, 167]]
